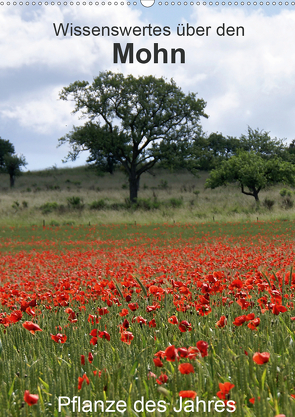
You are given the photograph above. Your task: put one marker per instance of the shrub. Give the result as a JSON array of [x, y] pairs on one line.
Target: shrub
[[285, 192], [25, 204], [268, 203], [98, 205], [49, 207], [15, 205], [175, 202], [54, 223], [75, 202], [287, 203]]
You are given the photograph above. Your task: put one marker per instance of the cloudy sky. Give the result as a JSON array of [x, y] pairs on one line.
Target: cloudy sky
[[245, 80]]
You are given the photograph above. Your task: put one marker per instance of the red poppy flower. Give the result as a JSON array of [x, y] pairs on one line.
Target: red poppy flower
[[250, 316], [30, 399], [240, 320], [32, 327], [185, 326], [93, 341], [186, 368], [139, 320], [171, 354], [127, 337], [103, 311], [15, 316], [152, 323], [188, 394], [254, 323], [252, 400], [82, 360], [261, 358], [125, 324], [277, 309], [224, 390], [104, 335], [158, 362], [93, 319], [163, 379], [203, 348], [90, 357], [183, 352], [81, 380], [124, 312], [59, 338], [173, 320], [133, 306], [222, 321]]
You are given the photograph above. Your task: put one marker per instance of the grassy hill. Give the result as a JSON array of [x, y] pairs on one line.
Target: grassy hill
[[79, 196]]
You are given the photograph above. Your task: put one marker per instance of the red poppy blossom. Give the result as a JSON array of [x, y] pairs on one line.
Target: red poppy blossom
[[133, 306], [127, 337], [30, 399], [93, 319], [152, 323], [81, 380], [203, 348], [82, 360], [125, 324], [158, 362], [222, 322], [93, 341], [90, 357], [59, 338], [103, 311], [32, 327], [104, 335], [261, 358], [188, 394], [124, 312], [254, 323], [171, 353], [186, 368], [224, 390], [163, 379], [183, 352], [240, 320], [277, 309], [173, 320], [185, 326]]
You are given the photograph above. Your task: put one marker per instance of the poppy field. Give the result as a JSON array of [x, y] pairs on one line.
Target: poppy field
[[148, 320]]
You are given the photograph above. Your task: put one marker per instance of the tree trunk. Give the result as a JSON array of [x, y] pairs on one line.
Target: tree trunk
[[12, 178], [255, 194], [133, 185]]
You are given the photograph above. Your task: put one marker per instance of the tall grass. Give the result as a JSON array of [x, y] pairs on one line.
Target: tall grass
[[163, 197]]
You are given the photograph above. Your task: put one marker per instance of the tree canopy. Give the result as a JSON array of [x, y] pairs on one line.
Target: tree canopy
[[131, 121], [10, 163], [252, 172], [5, 148]]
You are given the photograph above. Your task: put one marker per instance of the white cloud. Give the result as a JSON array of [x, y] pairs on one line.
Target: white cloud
[[245, 80]]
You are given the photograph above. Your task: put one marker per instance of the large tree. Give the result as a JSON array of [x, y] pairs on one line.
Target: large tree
[[13, 165], [252, 172], [6, 147], [130, 121]]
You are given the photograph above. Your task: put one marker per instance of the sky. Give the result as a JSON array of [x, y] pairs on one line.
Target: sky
[[245, 80]]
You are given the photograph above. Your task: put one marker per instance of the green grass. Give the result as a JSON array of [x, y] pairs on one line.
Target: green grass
[[78, 196]]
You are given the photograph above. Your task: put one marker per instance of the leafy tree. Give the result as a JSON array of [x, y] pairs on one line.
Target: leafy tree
[[260, 142], [12, 166], [5, 148], [131, 121], [252, 172]]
